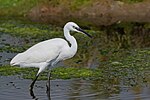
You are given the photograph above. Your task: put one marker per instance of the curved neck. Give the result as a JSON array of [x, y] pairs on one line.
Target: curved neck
[[71, 40]]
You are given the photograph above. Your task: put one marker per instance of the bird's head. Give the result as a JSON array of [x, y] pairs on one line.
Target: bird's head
[[74, 27]]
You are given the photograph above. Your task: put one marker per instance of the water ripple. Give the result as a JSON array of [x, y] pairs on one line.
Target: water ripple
[[15, 88]]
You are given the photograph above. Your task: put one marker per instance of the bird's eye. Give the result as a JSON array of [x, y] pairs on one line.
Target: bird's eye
[[74, 27]]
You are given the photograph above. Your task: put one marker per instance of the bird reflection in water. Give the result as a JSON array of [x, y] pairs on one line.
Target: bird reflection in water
[[47, 91]]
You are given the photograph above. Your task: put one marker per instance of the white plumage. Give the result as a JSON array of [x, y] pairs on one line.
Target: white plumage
[[49, 52], [43, 54]]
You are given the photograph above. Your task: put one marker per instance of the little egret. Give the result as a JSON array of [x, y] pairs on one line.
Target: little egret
[[48, 53]]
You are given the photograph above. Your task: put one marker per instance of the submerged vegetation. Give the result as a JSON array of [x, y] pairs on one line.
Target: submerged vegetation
[[28, 30], [116, 49], [129, 64], [113, 55], [57, 73], [114, 37]]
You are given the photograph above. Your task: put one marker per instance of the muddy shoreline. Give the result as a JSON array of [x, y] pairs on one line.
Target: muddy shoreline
[[96, 14]]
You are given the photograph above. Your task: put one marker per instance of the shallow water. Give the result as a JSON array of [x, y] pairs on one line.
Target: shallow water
[[8, 40], [16, 88]]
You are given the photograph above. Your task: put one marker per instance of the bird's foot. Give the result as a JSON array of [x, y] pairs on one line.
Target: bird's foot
[[47, 87], [31, 92]]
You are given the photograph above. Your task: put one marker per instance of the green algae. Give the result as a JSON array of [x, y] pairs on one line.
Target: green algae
[[129, 64], [16, 49], [57, 73], [28, 30], [114, 61], [123, 64], [76, 73]]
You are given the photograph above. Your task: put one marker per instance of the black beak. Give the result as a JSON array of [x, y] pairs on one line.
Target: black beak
[[79, 29]]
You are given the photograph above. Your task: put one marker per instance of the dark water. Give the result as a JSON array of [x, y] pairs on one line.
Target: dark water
[[6, 40], [16, 88], [13, 88]]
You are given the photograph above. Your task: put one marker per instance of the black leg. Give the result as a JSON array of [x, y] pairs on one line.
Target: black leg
[[32, 94], [48, 86], [32, 84], [48, 82], [31, 88]]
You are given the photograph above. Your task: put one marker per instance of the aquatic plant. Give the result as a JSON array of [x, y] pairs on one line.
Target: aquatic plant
[[57, 73], [32, 31], [129, 64], [114, 55]]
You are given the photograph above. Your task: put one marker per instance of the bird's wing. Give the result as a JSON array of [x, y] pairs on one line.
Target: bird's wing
[[45, 51], [42, 52], [41, 55]]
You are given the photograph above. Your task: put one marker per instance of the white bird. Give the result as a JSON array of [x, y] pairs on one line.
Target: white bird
[[48, 53]]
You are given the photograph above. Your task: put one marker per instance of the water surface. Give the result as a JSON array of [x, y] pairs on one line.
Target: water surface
[[16, 88], [132, 87]]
